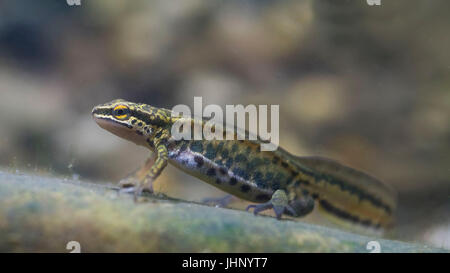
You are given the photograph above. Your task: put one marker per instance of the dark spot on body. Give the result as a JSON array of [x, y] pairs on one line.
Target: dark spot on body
[[150, 143], [133, 121], [211, 172], [240, 158], [198, 160], [263, 197], [225, 153], [223, 170], [183, 147], [210, 151], [220, 146], [258, 177], [140, 124], [218, 161], [233, 181], [196, 146], [275, 186], [171, 145], [280, 177], [253, 164], [269, 176], [229, 162], [158, 135], [241, 173], [245, 188]]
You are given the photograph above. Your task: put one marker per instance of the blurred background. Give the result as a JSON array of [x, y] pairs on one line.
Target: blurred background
[[366, 85]]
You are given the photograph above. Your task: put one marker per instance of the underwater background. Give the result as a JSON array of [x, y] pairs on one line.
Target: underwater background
[[365, 85]]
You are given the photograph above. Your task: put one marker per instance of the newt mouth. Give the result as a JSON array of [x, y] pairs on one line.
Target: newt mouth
[[120, 129], [106, 122]]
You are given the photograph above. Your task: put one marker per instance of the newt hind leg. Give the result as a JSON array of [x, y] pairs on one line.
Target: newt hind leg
[[302, 205], [281, 205]]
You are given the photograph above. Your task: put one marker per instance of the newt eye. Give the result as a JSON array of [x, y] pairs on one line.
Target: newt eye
[[121, 112]]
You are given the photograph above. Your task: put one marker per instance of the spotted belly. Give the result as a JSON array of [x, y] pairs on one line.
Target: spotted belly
[[218, 175]]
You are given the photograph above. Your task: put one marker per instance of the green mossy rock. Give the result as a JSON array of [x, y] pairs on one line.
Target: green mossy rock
[[40, 214]]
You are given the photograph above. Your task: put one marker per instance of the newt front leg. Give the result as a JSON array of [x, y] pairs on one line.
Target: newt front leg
[[129, 182], [142, 179]]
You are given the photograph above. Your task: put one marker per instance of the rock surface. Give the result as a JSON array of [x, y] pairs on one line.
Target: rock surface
[[41, 214]]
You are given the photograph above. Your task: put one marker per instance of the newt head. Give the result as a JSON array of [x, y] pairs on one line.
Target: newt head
[[132, 121], [116, 118]]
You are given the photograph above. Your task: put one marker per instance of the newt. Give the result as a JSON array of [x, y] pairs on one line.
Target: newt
[[290, 185]]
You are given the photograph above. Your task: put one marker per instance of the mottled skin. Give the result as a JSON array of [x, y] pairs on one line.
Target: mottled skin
[[277, 179]]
